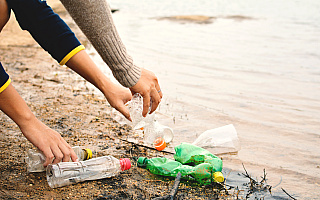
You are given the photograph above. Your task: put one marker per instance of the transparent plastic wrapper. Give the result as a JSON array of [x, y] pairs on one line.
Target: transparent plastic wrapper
[[152, 129], [68, 173], [219, 140], [35, 158]]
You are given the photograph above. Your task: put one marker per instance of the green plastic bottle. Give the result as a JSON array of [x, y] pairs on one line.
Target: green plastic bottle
[[193, 155], [202, 173]]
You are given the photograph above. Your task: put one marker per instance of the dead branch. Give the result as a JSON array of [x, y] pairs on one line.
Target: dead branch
[[174, 189], [288, 194]]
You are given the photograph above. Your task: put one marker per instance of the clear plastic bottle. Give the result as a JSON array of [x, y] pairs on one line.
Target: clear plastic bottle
[[152, 129], [35, 158], [156, 130], [67, 173]]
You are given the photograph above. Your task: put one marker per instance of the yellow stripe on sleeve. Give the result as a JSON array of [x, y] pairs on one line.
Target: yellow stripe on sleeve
[[71, 53], [5, 85]]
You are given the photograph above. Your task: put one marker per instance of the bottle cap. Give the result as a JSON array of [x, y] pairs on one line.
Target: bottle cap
[[89, 154], [141, 161], [125, 164], [159, 144], [218, 177]]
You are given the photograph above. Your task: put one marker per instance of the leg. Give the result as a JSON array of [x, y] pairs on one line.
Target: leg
[[4, 13]]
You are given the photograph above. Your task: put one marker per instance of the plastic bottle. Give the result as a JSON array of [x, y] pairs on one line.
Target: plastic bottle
[[35, 158], [203, 173], [67, 173], [153, 130], [219, 140], [190, 154]]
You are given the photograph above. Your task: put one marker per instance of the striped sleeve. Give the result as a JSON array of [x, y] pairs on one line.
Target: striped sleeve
[[71, 53], [47, 28], [4, 79]]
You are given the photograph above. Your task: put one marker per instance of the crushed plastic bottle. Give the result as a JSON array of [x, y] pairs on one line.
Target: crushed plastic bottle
[[190, 160], [153, 130], [67, 173], [35, 158], [219, 140], [190, 154], [203, 173]]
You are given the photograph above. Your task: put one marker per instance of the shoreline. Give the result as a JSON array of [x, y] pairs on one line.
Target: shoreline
[[62, 100]]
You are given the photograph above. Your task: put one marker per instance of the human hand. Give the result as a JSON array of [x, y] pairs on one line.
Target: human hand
[[149, 89], [117, 97], [50, 142]]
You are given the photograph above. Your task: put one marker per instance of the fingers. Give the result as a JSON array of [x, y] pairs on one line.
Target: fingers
[[156, 99], [146, 104], [49, 157], [61, 152], [66, 152], [73, 155], [58, 156], [159, 91], [125, 111], [149, 89]]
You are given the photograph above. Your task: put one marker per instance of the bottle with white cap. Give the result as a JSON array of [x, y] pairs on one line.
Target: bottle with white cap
[[67, 173], [35, 158]]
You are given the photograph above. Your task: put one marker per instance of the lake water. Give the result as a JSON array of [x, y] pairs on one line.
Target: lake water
[[256, 66]]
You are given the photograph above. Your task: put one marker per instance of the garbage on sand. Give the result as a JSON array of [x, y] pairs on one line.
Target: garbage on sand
[[191, 161]]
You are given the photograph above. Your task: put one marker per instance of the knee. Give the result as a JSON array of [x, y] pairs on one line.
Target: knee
[[4, 13]]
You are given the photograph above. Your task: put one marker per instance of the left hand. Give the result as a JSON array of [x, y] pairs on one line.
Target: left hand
[[117, 97]]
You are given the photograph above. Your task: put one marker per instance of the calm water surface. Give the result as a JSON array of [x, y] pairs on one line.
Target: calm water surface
[[261, 74]]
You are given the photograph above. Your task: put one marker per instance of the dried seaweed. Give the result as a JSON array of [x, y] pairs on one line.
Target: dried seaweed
[[256, 186]]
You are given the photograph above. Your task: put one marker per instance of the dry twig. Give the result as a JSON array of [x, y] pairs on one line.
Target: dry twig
[[174, 189]]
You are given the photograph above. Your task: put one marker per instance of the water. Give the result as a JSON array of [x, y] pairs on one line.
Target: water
[[261, 73]]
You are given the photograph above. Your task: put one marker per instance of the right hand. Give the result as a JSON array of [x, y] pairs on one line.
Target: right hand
[[50, 142], [149, 89]]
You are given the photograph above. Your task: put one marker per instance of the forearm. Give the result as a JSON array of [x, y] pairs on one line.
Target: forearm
[[47, 140], [95, 20], [116, 95], [83, 65], [15, 107]]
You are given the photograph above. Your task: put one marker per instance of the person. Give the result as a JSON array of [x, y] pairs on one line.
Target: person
[[54, 36]]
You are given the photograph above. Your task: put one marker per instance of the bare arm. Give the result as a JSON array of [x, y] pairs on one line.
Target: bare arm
[[95, 20], [47, 140], [116, 95]]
